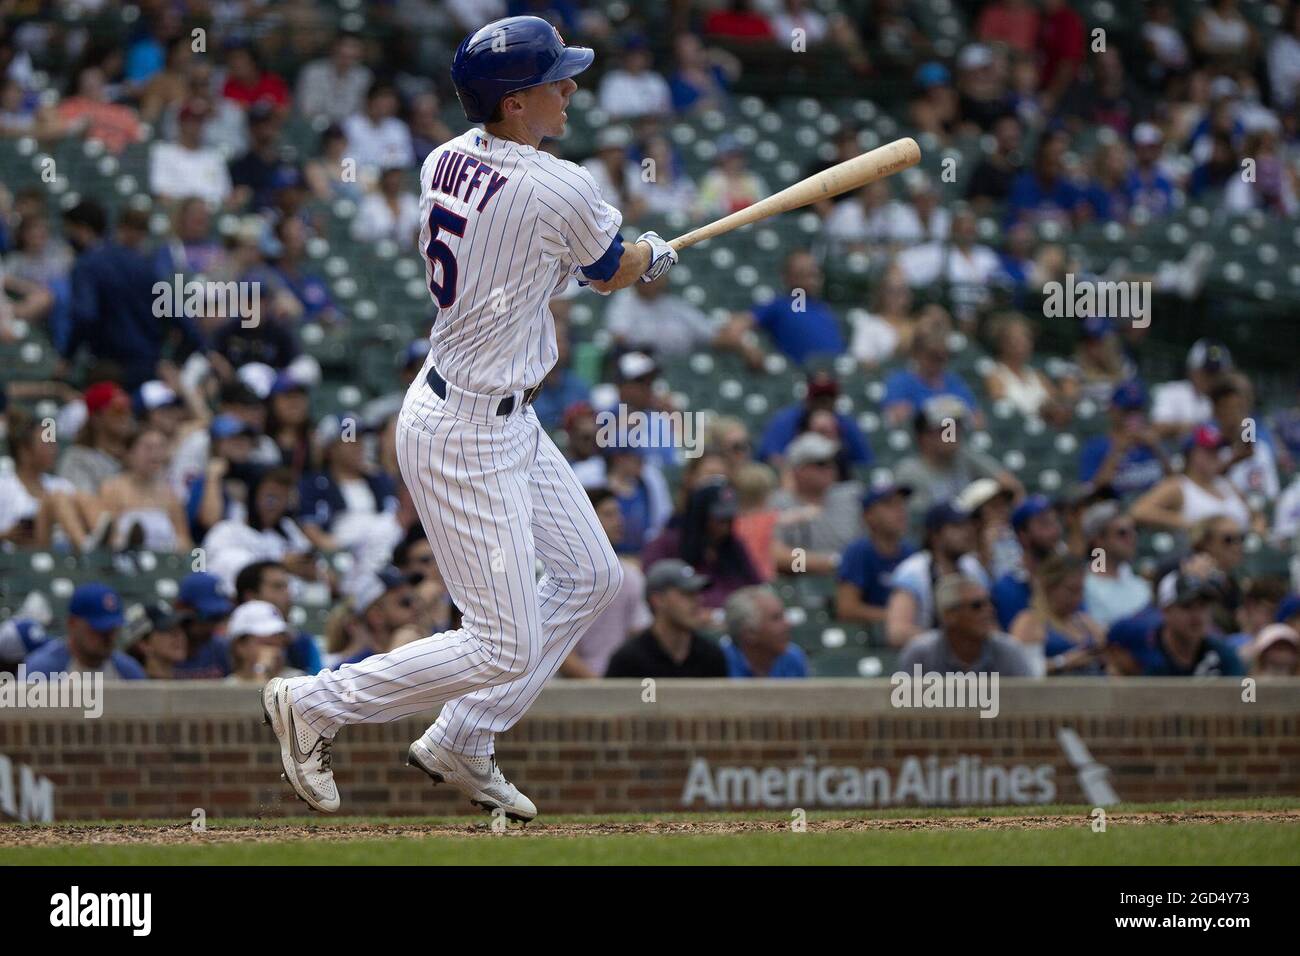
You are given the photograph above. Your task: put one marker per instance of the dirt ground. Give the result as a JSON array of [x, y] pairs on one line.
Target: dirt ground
[[271, 832]]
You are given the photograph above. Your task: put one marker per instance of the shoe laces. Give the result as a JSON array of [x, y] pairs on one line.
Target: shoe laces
[[325, 747]]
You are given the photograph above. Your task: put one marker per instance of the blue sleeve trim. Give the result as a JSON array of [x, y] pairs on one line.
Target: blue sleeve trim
[[603, 269]]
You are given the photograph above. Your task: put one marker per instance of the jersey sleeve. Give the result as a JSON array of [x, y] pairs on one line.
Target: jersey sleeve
[[573, 209]]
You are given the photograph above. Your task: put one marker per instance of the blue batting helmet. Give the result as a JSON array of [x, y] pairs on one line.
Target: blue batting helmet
[[508, 55]]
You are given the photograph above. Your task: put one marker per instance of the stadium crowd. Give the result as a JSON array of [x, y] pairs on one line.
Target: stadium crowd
[[189, 429]]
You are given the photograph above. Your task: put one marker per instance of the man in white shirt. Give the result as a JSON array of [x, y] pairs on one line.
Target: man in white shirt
[[334, 87], [649, 318], [963, 264], [377, 139], [1178, 407], [634, 90], [186, 167]]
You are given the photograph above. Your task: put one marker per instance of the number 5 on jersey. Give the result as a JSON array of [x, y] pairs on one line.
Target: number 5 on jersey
[[440, 253]]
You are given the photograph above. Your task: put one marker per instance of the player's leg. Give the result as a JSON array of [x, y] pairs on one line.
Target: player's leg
[[470, 486], [583, 575]]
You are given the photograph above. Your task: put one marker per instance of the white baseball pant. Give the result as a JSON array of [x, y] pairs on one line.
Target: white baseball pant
[[494, 494]]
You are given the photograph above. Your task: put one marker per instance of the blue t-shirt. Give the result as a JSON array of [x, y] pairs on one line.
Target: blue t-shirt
[[1139, 470], [561, 391], [791, 663], [782, 428], [635, 509], [1154, 193], [798, 335], [210, 661], [1010, 596], [53, 657], [871, 572], [1140, 636], [905, 385], [304, 654], [1031, 198]]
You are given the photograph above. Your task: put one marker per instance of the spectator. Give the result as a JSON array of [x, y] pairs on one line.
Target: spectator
[[1224, 37], [1176, 642], [1100, 360], [377, 138], [1014, 380], [1127, 459], [89, 108], [224, 489], [996, 172], [391, 212], [614, 173], [703, 75], [945, 463], [823, 389], [1272, 187], [738, 21], [194, 452], [756, 518], [1039, 534], [1147, 186], [886, 331], [658, 440], [633, 89], [759, 644], [34, 503], [1200, 492], [341, 501], [926, 377], [249, 82], [1284, 63], [113, 299], [268, 532], [257, 634], [966, 640], [100, 447], [330, 175], [308, 286], [434, 610], [156, 639], [428, 131], [1010, 22], [1286, 517], [1061, 49], [948, 545], [1061, 638], [662, 186], [334, 87], [379, 616], [1105, 198], [204, 604], [672, 646], [1217, 551], [563, 386], [271, 582], [1276, 652], [262, 170], [989, 505], [801, 324], [144, 511], [1112, 590], [1045, 193], [704, 537], [731, 185], [981, 88], [1178, 407], [37, 272], [186, 167], [648, 317], [1252, 467], [190, 250], [818, 516], [933, 106], [1164, 43], [628, 614], [866, 570], [94, 619], [958, 264], [1260, 600]]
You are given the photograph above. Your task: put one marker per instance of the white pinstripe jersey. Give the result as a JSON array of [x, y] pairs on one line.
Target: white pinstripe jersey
[[503, 227]]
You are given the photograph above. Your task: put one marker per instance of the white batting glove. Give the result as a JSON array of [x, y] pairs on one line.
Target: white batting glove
[[662, 256]]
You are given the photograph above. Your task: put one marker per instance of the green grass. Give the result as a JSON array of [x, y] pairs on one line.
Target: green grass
[[1226, 843]]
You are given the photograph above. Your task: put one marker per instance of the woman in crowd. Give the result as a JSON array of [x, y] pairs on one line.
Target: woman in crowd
[[1180, 501], [288, 420], [328, 175], [348, 502], [35, 504], [887, 330], [146, 514], [270, 533], [704, 537], [1060, 636], [1013, 378], [390, 212]]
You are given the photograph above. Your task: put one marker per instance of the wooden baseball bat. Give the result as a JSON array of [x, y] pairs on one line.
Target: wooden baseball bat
[[880, 162]]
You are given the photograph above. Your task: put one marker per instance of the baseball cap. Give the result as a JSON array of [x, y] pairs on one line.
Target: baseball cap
[[228, 426], [674, 573], [1204, 436], [1273, 634], [634, 365], [1288, 609], [287, 381], [979, 493], [104, 395], [98, 605], [259, 377], [932, 74], [937, 410], [1095, 327], [155, 394], [811, 447], [974, 56], [203, 591], [725, 505], [143, 619], [330, 428], [882, 490], [943, 514], [19, 636], [236, 392], [1129, 396], [256, 618], [1097, 516], [1147, 134], [1181, 588], [1209, 356], [366, 587], [1029, 509]]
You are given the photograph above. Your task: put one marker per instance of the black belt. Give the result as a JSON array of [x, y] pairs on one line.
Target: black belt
[[504, 407]]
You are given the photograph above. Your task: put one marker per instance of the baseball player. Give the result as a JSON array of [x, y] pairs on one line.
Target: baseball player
[[505, 226]]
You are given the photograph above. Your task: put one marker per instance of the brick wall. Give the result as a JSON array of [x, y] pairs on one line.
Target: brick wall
[[163, 750]]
